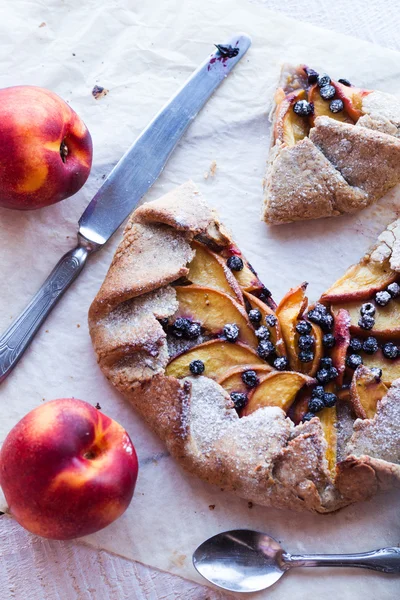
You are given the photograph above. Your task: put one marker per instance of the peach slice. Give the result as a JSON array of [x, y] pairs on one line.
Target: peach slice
[[213, 309], [321, 107], [290, 128], [217, 355], [289, 311], [208, 269], [276, 389], [352, 98], [390, 368], [360, 282], [300, 406], [276, 334], [328, 418], [231, 381], [366, 391], [341, 331], [387, 319]]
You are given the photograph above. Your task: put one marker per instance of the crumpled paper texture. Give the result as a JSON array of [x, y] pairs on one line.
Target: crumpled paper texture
[[142, 52]]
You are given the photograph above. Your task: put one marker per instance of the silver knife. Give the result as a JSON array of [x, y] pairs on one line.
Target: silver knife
[[127, 183]]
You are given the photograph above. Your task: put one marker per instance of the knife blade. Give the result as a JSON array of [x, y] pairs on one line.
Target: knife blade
[[127, 183]]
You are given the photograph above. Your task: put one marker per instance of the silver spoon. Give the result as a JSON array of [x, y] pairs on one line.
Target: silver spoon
[[242, 560]]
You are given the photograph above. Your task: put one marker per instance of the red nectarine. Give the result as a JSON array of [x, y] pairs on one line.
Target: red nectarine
[[45, 148], [67, 470]]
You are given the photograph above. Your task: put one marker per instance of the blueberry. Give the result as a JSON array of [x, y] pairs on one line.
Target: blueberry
[[318, 392], [239, 400], [312, 76], [193, 331], [235, 263], [271, 320], [327, 92], [390, 350], [180, 327], [197, 367], [345, 82], [303, 327], [306, 356], [382, 298], [355, 344], [323, 376], [265, 349], [328, 340], [366, 322], [353, 361], [370, 345], [326, 323], [323, 80], [303, 108], [394, 289], [308, 416], [333, 373], [255, 316], [265, 294], [306, 342], [319, 315], [336, 106], [281, 363], [326, 362], [376, 372], [250, 378], [368, 309], [231, 332], [315, 405], [263, 333], [330, 399]]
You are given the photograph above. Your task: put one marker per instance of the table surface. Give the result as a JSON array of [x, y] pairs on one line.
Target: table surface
[[37, 569]]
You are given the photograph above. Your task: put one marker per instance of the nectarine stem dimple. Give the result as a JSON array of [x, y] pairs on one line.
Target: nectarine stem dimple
[[63, 151]]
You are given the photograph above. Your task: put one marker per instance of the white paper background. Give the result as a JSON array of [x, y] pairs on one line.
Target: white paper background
[[142, 53]]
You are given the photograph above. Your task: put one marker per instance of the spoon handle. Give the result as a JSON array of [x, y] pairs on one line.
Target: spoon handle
[[386, 560]]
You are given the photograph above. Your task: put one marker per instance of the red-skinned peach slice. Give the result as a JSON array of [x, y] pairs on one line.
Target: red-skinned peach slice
[[232, 381], [213, 309], [321, 107], [289, 310], [276, 334], [247, 278], [290, 128], [218, 357], [300, 406], [312, 367], [387, 319], [360, 282], [352, 98], [366, 391], [209, 269], [279, 388], [341, 331], [390, 368]]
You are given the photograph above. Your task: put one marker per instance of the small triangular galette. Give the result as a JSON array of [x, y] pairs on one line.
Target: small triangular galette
[[287, 405], [335, 148]]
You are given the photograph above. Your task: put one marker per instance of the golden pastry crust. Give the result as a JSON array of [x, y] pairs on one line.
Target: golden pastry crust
[[339, 168], [262, 457]]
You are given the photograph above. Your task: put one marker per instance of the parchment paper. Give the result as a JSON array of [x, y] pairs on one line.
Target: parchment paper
[[142, 52]]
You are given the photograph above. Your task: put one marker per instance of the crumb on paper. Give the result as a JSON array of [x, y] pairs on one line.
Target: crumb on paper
[[99, 92], [250, 504], [211, 171], [178, 559], [78, 325], [47, 331], [97, 405], [43, 399], [211, 506], [43, 24]]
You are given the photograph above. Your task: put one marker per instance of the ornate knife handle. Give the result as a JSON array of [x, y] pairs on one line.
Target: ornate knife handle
[[385, 560], [18, 336]]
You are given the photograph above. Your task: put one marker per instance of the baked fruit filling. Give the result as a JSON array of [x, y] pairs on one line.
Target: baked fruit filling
[[340, 354], [306, 95]]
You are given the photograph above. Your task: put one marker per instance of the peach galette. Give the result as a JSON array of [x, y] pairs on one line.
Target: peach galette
[[335, 147], [288, 405]]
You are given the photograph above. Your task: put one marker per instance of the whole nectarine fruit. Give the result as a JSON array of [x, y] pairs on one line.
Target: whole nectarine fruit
[[67, 470], [45, 148]]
